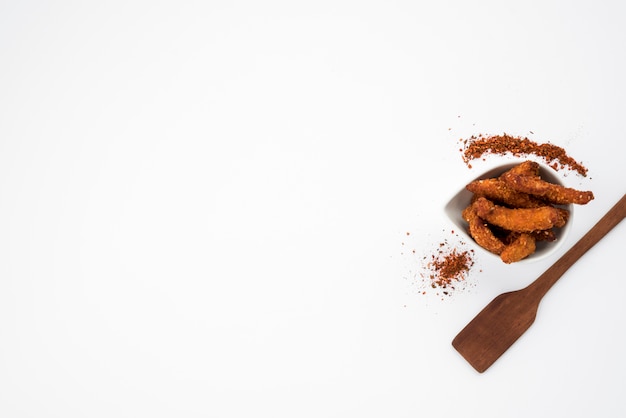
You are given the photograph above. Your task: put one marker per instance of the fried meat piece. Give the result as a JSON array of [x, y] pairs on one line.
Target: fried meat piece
[[498, 191], [550, 192], [520, 248], [526, 168], [546, 235], [518, 220], [509, 214], [481, 233], [563, 217]]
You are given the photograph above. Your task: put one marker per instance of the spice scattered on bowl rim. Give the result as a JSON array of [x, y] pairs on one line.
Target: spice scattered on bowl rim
[[556, 157]]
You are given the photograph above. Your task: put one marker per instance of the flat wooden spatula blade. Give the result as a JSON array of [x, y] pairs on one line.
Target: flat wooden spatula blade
[[495, 329], [509, 315]]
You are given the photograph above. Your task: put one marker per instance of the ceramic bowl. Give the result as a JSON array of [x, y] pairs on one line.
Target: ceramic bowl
[[462, 199]]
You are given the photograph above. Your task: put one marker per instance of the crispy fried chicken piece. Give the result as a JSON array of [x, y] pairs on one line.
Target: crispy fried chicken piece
[[520, 248], [550, 192], [526, 168], [498, 191], [519, 220], [546, 235], [563, 217], [481, 233], [510, 213]]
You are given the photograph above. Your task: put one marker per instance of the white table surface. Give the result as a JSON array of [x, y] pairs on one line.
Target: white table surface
[[204, 205]]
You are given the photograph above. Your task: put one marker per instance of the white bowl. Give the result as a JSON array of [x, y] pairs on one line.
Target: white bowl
[[462, 199]]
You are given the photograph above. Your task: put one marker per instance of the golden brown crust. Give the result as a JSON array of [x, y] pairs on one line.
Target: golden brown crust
[[520, 248], [498, 191], [546, 235], [481, 232], [563, 217], [518, 220], [526, 168], [510, 213], [550, 192]]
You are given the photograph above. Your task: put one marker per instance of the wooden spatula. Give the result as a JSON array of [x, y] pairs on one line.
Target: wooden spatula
[[509, 315]]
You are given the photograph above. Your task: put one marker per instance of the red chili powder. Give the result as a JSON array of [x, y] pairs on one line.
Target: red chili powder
[[449, 265], [556, 157]]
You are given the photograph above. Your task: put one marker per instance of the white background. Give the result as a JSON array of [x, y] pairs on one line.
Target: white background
[[204, 206]]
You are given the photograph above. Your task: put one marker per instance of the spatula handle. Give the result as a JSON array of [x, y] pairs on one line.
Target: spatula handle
[[613, 217]]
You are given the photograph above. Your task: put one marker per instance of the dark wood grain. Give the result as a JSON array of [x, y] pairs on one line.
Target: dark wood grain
[[509, 315]]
